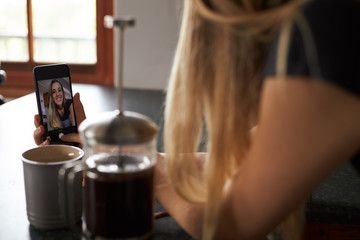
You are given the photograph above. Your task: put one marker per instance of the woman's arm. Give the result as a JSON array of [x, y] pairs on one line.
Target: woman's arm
[[306, 130], [188, 216]]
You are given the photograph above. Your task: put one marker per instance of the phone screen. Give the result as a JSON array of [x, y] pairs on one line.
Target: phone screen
[[55, 101]]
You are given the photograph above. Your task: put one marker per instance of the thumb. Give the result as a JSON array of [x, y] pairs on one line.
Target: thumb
[[71, 137], [79, 109]]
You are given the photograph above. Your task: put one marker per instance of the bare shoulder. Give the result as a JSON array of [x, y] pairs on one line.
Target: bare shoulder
[[306, 129], [312, 110], [302, 94], [309, 127]]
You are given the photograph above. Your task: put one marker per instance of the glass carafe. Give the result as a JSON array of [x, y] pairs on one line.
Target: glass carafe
[[118, 169]]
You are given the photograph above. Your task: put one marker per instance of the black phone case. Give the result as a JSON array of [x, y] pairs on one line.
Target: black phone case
[[48, 73]]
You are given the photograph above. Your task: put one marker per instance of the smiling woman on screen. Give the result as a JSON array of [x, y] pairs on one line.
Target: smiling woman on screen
[[61, 113]]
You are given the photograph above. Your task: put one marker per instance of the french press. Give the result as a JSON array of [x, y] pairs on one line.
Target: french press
[[118, 170]]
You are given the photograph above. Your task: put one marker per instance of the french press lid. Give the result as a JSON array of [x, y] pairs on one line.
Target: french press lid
[[118, 128]]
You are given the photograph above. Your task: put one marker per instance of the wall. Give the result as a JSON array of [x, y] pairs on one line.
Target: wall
[[149, 46]]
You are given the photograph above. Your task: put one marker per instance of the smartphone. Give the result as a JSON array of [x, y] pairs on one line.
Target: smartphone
[[55, 101]]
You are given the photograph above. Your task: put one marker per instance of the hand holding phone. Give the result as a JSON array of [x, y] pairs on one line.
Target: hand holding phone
[[72, 137], [55, 101]]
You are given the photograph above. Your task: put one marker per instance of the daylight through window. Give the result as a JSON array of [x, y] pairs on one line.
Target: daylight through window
[[61, 31]]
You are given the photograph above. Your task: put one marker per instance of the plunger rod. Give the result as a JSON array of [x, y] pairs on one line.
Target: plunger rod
[[119, 25]]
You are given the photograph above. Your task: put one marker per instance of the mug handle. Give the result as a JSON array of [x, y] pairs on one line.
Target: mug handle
[[67, 177]]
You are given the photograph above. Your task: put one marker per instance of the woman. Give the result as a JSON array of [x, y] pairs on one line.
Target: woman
[[61, 111], [290, 68], [303, 95]]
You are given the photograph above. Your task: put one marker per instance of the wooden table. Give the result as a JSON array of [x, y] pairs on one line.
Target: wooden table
[[332, 210], [16, 136]]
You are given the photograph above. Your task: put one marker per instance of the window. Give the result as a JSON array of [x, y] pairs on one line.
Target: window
[[36, 32]]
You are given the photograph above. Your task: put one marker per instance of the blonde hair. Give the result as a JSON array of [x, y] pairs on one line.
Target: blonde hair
[[215, 85], [53, 116]]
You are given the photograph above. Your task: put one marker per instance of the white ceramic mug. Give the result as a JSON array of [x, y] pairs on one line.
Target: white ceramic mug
[[43, 196]]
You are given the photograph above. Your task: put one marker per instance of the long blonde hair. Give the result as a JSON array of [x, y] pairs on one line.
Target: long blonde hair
[[53, 115], [214, 85]]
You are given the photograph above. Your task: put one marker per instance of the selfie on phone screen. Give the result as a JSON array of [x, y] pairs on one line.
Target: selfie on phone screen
[[55, 105]]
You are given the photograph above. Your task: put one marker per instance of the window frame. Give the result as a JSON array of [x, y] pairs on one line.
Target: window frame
[[19, 74]]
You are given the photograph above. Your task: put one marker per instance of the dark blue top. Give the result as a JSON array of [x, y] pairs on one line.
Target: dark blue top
[[66, 119], [326, 46]]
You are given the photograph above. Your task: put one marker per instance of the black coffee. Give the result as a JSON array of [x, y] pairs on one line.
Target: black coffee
[[118, 204]]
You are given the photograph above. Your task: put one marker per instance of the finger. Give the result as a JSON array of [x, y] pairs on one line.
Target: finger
[[161, 215], [44, 143], [79, 109], [38, 132], [37, 120], [71, 137]]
